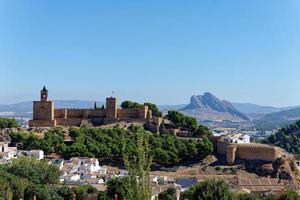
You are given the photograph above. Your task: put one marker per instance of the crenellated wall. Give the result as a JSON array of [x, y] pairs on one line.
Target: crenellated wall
[[44, 114], [250, 151], [128, 112]]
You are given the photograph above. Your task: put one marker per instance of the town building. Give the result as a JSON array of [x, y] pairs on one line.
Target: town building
[[237, 138]]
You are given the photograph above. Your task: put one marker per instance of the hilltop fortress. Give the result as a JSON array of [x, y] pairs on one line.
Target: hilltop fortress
[[245, 151], [46, 115]]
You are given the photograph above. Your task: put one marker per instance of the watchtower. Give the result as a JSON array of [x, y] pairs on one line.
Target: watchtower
[[111, 108], [43, 111]]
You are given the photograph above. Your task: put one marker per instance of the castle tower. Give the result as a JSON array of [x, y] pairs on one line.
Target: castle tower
[[111, 108], [44, 94], [43, 111]]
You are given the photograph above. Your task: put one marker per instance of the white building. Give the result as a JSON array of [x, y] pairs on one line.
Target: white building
[[237, 138], [38, 154], [86, 168]]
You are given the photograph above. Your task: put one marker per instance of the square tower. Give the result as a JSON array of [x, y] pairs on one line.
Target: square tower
[[43, 111], [111, 108]]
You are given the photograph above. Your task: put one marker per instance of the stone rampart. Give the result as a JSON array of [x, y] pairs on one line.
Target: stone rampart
[[128, 112], [249, 151]]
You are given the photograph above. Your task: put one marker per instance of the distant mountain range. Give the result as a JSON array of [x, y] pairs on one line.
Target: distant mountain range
[[258, 109], [208, 107]]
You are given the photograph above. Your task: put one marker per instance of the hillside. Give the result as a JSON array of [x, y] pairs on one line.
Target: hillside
[[287, 138], [279, 118], [208, 107]]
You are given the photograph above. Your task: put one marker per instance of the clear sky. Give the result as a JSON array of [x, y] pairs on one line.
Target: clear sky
[[162, 51]]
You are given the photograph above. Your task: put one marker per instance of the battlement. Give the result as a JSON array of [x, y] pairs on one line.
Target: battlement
[[46, 115], [249, 151]]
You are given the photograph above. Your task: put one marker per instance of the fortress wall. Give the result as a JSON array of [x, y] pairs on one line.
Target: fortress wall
[[214, 140], [42, 123], [256, 152], [130, 120], [60, 113], [221, 147], [76, 113], [231, 153], [68, 122], [99, 113], [128, 112]]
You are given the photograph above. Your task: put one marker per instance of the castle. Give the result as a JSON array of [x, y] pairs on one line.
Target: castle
[[245, 151], [46, 115]]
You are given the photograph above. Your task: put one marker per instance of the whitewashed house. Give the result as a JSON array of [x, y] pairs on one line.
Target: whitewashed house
[[237, 138]]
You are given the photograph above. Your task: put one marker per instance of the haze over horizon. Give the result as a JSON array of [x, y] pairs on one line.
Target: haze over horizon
[[161, 52]]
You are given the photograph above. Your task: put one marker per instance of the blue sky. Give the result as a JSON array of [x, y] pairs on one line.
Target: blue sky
[[157, 51]]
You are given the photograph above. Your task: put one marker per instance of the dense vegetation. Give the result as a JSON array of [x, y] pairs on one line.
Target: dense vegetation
[[26, 177], [188, 123], [8, 123], [151, 106], [287, 138], [112, 144]]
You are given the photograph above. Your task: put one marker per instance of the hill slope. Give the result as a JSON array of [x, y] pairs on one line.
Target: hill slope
[[279, 118]]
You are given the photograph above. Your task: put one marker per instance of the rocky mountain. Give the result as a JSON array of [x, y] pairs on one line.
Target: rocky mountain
[[208, 107]]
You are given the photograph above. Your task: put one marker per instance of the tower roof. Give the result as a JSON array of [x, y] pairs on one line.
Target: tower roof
[[44, 89]]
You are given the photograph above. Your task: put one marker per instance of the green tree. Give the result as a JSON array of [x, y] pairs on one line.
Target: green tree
[[8, 123], [5, 190], [119, 186], [41, 192], [130, 104], [210, 190], [154, 109], [290, 195], [138, 166], [169, 194], [36, 171]]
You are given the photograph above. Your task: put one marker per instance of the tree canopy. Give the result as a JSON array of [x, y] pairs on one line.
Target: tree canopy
[[107, 144], [8, 123], [287, 138], [151, 106], [188, 123]]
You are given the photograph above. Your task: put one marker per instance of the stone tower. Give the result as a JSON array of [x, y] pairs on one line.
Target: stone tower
[[111, 108], [43, 111]]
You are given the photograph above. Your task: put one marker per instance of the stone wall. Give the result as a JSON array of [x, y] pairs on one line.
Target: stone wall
[[256, 152], [250, 151], [42, 123], [128, 112], [60, 113], [68, 122], [98, 113]]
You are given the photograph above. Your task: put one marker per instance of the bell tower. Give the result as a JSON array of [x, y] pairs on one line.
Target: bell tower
[[44, 94]]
